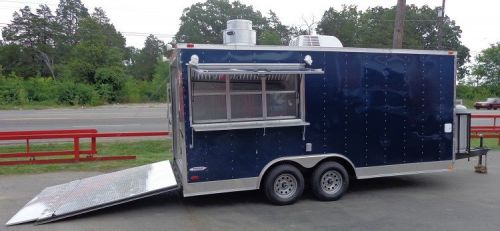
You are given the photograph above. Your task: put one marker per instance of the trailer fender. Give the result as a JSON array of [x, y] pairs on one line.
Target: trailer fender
[[307, 161]]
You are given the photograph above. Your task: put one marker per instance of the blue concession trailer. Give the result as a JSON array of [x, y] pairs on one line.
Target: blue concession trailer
[[240, 112], [247, 117]]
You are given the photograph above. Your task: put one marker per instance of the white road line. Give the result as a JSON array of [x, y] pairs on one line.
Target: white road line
[[87, 113], [76, 118], [105, 125], [21, 119]]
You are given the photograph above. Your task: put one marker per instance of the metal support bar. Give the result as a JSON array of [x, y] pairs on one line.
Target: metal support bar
[[93, 146], [28, 149], [61, 161], [42, 154], [76, 148]]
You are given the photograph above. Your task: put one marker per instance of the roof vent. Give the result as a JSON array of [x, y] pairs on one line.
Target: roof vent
[[239, 32], [315, 41]]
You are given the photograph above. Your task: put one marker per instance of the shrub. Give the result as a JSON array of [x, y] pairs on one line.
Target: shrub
[[161, 78], [471, 94], [12, 90], [22, 96], [137, 91], [112, 85], [41, 89], [109, 82], [76, 94]]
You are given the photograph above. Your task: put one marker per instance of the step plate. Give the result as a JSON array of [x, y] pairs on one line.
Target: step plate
[[93, 193]]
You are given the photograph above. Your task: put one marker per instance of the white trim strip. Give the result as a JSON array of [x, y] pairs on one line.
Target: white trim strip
[[326, 49], [220, 186], [403, 169]]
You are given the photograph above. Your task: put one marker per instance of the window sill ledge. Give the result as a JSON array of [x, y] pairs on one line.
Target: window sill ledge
[[249, 125]]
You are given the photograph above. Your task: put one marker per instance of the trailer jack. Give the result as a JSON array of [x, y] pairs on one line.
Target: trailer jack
[[481, 152], [480, 168]]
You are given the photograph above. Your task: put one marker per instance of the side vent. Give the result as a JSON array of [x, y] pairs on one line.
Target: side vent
[[310, 41]]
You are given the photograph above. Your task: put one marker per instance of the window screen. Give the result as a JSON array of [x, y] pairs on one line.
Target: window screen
[[209, 107], [281, 96], [228, 98]]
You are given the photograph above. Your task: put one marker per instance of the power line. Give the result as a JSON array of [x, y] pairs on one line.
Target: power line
[[24, 2], [127, 33], [55, 5]]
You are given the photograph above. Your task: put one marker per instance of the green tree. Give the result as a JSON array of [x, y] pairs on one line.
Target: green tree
[[30, 47], [161, 78], [100, 16], [15, 59], [275, 33], [204, 22], [270, 37], [69, 14], [342, 24], [143, 66], [100, 45], [486, 70], [35, 33], [374, 28], [295, 31], [20, 30], [45, 27]]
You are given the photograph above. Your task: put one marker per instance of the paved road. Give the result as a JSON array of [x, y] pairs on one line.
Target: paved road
[[140, 117], [457, 200]]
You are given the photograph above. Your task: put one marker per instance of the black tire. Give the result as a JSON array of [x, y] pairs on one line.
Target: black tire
[[289, 183], [329, 181], [477, 108]]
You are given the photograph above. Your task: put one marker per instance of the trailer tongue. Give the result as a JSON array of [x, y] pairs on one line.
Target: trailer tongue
[[93, 193]]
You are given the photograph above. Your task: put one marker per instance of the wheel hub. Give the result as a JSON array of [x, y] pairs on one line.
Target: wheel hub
[[285, 185], [331, 181]]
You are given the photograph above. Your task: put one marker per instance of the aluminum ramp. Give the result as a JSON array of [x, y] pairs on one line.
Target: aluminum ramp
[[93, 193]]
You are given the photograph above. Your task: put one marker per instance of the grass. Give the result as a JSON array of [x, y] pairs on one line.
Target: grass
[[146, 152], [36, 106], [490, 143]]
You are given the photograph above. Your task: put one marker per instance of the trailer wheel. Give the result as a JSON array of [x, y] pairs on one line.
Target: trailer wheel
[[284, 184], [329, 181]]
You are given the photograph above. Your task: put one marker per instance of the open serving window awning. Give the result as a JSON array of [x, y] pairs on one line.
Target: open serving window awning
[[253, 69]]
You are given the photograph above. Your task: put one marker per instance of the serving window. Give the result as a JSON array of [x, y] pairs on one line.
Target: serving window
[[234, 93]]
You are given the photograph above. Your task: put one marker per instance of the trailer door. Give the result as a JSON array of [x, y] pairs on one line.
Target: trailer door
[[93, 193]]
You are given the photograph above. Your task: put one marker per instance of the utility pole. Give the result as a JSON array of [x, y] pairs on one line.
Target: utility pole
[[440, 27], [399, 24]]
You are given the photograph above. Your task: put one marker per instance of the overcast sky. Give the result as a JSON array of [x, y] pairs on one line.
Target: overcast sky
[[479, 19]]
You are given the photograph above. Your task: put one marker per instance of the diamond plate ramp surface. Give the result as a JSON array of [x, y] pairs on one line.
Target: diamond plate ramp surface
[[89, 194], [43, 203]]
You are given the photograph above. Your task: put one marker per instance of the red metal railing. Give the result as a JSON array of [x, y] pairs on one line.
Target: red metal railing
[[491, 131], [76, 153]]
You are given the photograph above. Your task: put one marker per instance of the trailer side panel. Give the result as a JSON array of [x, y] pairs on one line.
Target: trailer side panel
[[376, 109]]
